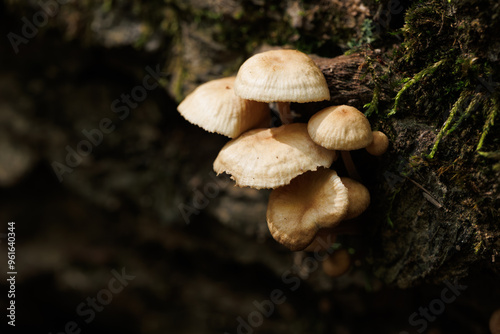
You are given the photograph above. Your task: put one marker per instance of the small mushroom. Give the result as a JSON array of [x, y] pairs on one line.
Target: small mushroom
[[359, 200], [214, 107], [281, 76], [311, 201], [359, 197], [379, 144], [342, 128], [270, 158], [337, 264], [495, 322]]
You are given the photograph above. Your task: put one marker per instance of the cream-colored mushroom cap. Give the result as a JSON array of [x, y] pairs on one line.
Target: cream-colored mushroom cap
[[214, 107], [379, 144], [270, 158], [359, 197], [296, 212], [281, 76], [342, 128]]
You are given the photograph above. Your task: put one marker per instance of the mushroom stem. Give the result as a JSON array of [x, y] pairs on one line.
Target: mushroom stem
[[285, 113], [349, 165]]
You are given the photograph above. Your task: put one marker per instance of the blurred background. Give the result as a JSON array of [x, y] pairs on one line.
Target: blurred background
[[121, 224]]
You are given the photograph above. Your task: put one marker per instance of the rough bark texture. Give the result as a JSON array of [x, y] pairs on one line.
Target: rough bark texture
[[146, 198]]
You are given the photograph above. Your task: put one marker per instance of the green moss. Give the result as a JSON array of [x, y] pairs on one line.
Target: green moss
[[492, 113], [238, 15], [372, 106], [442, 76], [459, 104], [442, 68], [478, 246], [408, 83], [107, 6], [368, 35]]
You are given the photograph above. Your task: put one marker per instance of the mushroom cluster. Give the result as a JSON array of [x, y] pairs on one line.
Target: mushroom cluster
[[294, 159]]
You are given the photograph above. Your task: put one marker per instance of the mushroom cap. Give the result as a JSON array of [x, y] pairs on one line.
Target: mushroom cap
[[270, 158], [359, 197], [281, 76], [495, 322], [214, 107], [338, 263], [379, 144], [297, 211], [342, 128]]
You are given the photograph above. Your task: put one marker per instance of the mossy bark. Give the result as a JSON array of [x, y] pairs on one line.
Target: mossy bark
[[444, 203]]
